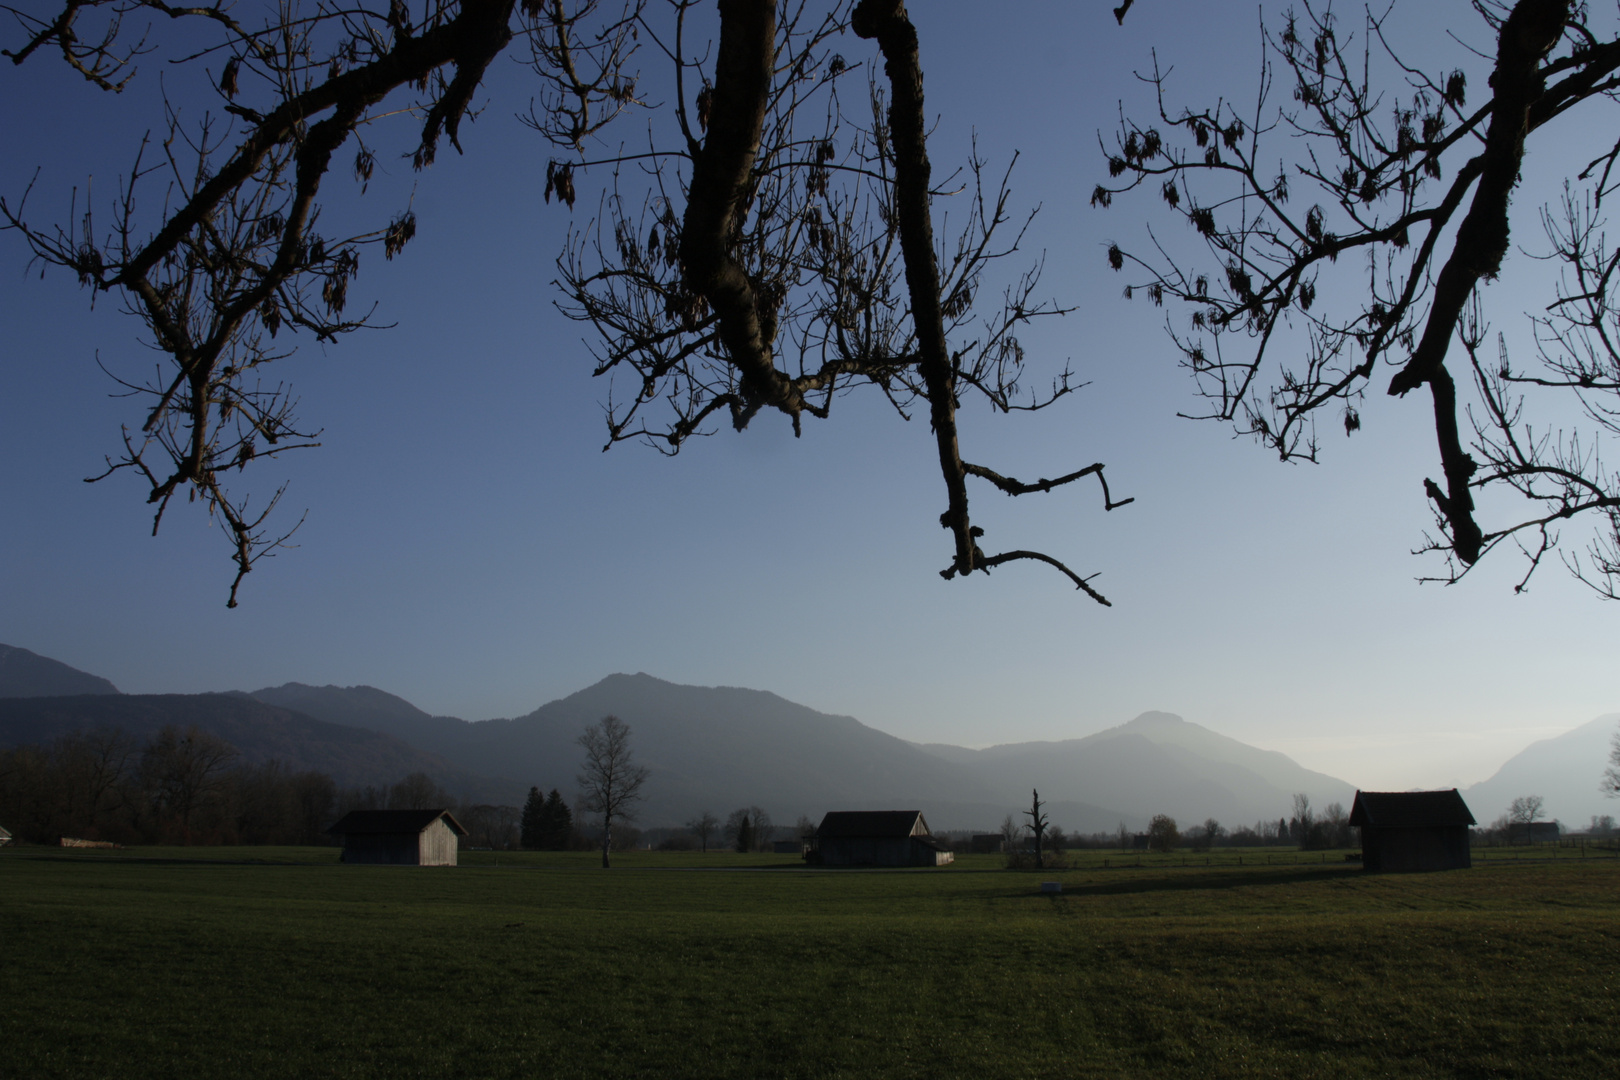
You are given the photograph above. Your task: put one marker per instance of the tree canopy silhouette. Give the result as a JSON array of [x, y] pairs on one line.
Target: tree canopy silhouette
[[772, 244], [1360, 222], [769, 249]]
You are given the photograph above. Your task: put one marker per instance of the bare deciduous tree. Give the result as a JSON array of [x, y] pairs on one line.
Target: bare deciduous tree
[[610, 780], [419, 791], [182, 770], [1037, 826], [750, 259], [1525, 809], [1361, 225], [1303, 814], [703, 827], [1009, 834], [1611, 775]]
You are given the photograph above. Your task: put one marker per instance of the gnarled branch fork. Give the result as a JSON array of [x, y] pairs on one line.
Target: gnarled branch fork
[[771, 263]]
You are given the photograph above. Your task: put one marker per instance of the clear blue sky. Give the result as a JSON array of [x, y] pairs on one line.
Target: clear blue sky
[[470, 547]]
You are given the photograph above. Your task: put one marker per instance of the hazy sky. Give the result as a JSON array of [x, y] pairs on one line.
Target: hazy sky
[[469, 547]]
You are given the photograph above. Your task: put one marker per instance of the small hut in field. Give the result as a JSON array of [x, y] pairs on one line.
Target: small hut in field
[[1412, 830], [399, 837], [5, 836], [877, 838]]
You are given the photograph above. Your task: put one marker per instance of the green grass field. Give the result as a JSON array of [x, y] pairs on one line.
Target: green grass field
[[282, 963]]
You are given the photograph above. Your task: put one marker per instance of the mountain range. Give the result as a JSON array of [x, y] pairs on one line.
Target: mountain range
[[1565, 770], [716, 748], [26, 674]]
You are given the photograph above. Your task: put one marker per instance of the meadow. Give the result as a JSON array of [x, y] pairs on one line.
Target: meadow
[[279, 962]]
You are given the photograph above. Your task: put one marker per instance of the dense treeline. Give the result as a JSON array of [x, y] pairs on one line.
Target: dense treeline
[[185, 786], [180, 787]]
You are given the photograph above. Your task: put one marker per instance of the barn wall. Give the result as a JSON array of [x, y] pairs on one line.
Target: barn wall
[[392, 849], [866, 851], [439, 845], [1434, 848], [880, 851]]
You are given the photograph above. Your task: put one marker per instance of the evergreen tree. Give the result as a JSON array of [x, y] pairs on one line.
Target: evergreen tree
[[558, 823], [533, 827]]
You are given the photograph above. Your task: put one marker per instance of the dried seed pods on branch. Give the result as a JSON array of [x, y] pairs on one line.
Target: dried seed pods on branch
[[764, 253], [1383, 226], [775, 251]]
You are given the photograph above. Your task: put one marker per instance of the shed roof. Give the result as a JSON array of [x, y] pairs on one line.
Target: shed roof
[[879, 823], [375, 822], [1410, 809]]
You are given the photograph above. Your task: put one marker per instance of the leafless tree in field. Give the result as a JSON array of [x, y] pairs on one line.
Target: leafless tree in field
[[1526, 809], [609, 780], [703, 826], [1611, 775], [1037, 827], [765, 252], [1361, 223], [183, 770]]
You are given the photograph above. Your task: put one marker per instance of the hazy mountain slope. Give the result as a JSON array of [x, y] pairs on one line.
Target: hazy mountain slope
[[1274, 767], [352, 756], [1565, 770], [709, 748], [369, 708], [717, 748], [1157, 763], [26, 675]]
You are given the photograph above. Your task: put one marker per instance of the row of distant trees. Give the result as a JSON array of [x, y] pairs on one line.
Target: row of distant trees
[[747, 828], [1039, 842], [187, 786]]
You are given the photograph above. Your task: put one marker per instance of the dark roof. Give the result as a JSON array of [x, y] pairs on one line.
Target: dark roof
[[891, 823], [1410, 809], [371, 822]]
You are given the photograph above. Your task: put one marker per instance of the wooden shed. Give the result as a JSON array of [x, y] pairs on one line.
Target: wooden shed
[[877, 838], [399, 837], [1412, 830]]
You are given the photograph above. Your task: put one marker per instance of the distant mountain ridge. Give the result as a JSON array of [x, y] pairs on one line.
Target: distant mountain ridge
[[719, 747], [1163, 761], [28, 675], [715, 748], [1565, 770]]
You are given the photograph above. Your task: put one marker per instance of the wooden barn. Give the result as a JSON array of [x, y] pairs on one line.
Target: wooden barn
[[399, 837], [1412, 830], [877, 838]]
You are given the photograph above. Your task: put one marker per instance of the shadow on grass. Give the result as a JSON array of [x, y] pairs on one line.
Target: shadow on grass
[[1207, 880], [122, 858]]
